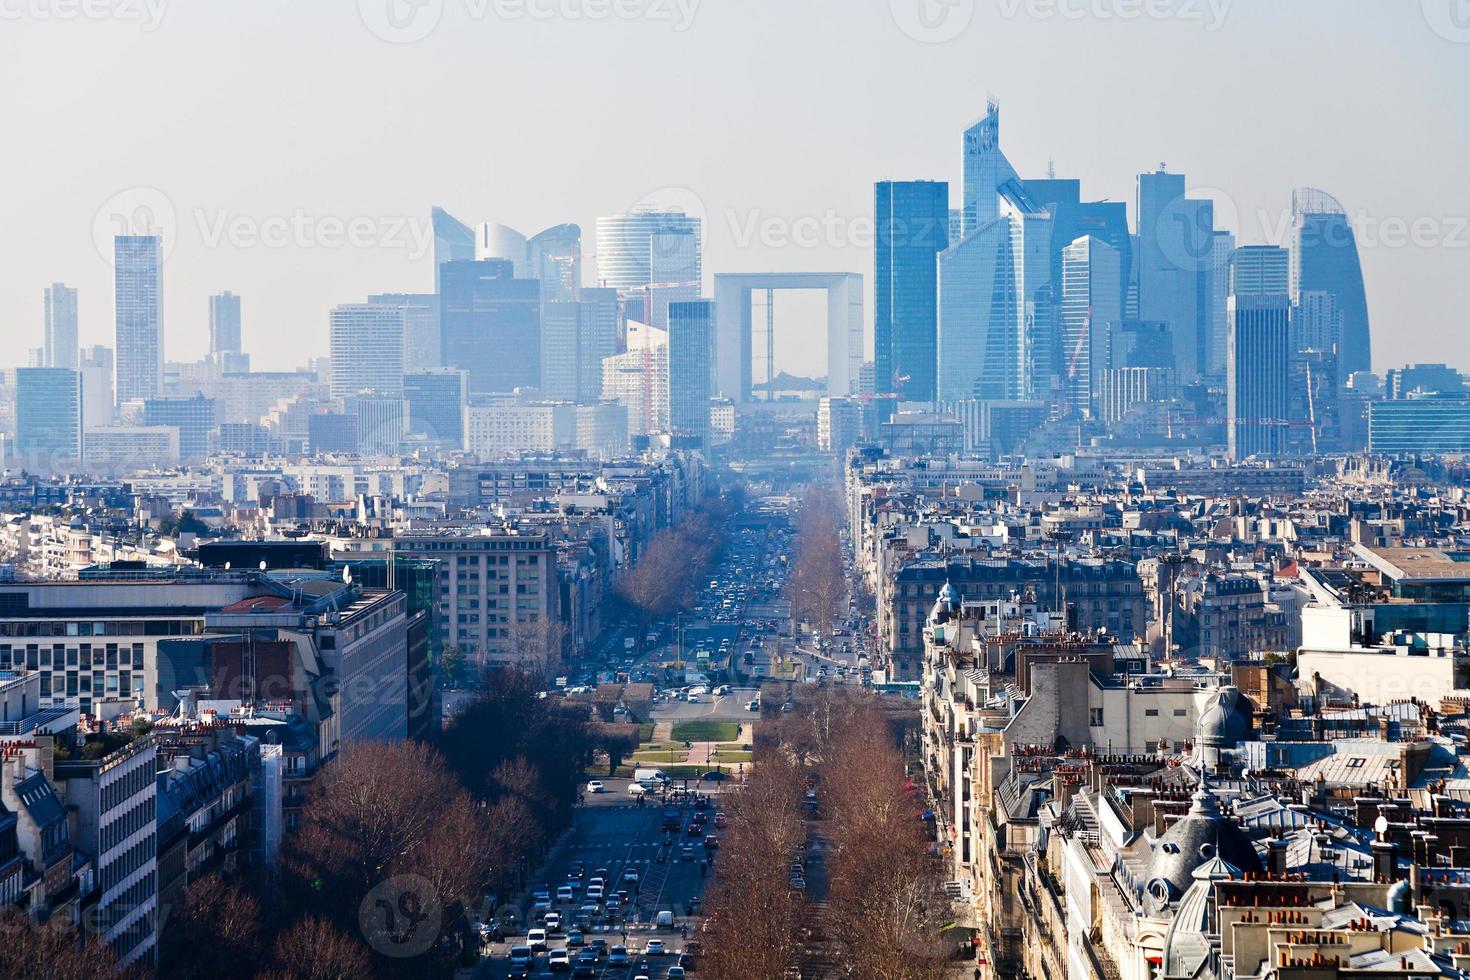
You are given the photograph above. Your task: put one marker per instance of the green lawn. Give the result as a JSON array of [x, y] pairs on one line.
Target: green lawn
[[726, 758], [706, 731], [645, 732]]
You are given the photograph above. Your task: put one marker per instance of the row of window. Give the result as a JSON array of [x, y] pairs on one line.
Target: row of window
[[134, 820], [140, 627], [73, 685], [117, 871], [34, 656]]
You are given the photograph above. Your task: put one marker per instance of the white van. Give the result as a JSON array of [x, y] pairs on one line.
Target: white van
[[665, 920], [647, 776]]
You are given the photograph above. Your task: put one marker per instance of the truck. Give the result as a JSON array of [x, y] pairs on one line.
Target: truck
[[648, 776]]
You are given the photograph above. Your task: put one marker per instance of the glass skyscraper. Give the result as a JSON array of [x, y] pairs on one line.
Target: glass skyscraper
[[454, 241], [1324, 258], [138, 308], [1092, 299], [1258, 389], [61, 326], [367, 349], [691, 342], [48, 415], [627, 258], [224, 324], [555, 258], [1175, 256], [436, 402], [912, 228], [985, 169], [490, 325]]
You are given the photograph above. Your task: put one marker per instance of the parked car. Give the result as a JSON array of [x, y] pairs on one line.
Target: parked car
[[595, 786]]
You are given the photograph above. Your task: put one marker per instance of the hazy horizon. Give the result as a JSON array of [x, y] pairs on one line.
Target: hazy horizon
[[343, 126]]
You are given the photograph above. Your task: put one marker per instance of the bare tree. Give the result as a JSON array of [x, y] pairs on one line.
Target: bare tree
[[313, 949], [50, 951], [817, 583]]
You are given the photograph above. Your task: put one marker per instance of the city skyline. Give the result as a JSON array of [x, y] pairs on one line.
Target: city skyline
[[759, 216]]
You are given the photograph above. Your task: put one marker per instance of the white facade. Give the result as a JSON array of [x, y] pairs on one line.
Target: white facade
[[367, 349]]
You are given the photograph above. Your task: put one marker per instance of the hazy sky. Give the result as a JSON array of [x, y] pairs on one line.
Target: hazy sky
[[291, 149]]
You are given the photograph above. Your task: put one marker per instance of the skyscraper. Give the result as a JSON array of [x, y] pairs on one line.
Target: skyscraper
[[195, 418], [48, 416], [1176, 247], [1092, 299], [691, 341], [422, 346], [367, 350], [626, 253], [1257, 390], [224, 324], [575, 338], [436, 402], [1217, 337], [97, 371], [1260, 270], [1324, 258], [912, 228], [61, 327], [985, 169], [496, 241], [454, 241], [555, 258], [638, 379], [490, 325], [996, 317], [138, 309]]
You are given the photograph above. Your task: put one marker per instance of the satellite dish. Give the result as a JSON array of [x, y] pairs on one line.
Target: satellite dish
[[347, 575], [227, 566], [1380, 826]]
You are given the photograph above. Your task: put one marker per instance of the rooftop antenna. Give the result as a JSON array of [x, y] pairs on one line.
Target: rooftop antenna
[[1051, 169]]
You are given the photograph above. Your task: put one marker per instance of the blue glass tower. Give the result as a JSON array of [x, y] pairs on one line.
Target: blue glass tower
[[912, 228], [1324, 258]]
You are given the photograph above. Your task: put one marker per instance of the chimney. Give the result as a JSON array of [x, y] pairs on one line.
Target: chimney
[[1385, 862], [1276, 856]]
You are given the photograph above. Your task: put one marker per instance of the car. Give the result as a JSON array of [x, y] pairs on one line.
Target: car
[[655, 947], [590, 911], [675, 973], [536, 939], [686, 853], [582, 968], [565, 893], [753, 704], [693, 830], [595, 786], [542, 894], [559, 959], [594, 892], [617, 956], [715, 776], [521, 955], [576, 937], [598, 947], [631, 875], [552, 921], [711, 842], [541, 906]]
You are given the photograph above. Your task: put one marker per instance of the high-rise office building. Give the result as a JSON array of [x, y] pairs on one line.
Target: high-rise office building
[[381, 422], [1324, 258], [638, 379], [1092, 299], [626, 253], [61, 327], [367, 350], [454, 241], [1420, 423], [490, 325], [996, 316], [1260, 270], [97, 370], [1176, 249], [436, 402], [48, 415], [985, 170], [691, 343], [575, 339], [1217, 338], [224, 324], [138, 309], [1257, 390], [496, 241], [1316, 323], [912, 228], [555, 258], [195, 418], [1431, 379], [422, 346]]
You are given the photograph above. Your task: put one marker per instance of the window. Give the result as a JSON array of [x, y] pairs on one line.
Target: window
[[1151, 712], [1179, 712], [1095, 717]]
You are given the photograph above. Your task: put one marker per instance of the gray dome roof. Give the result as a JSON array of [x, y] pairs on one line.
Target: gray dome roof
[[1201, 836], [947, 605], [1226, 720]]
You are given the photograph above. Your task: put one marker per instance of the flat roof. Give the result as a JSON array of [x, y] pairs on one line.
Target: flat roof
[[1418, 564]]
